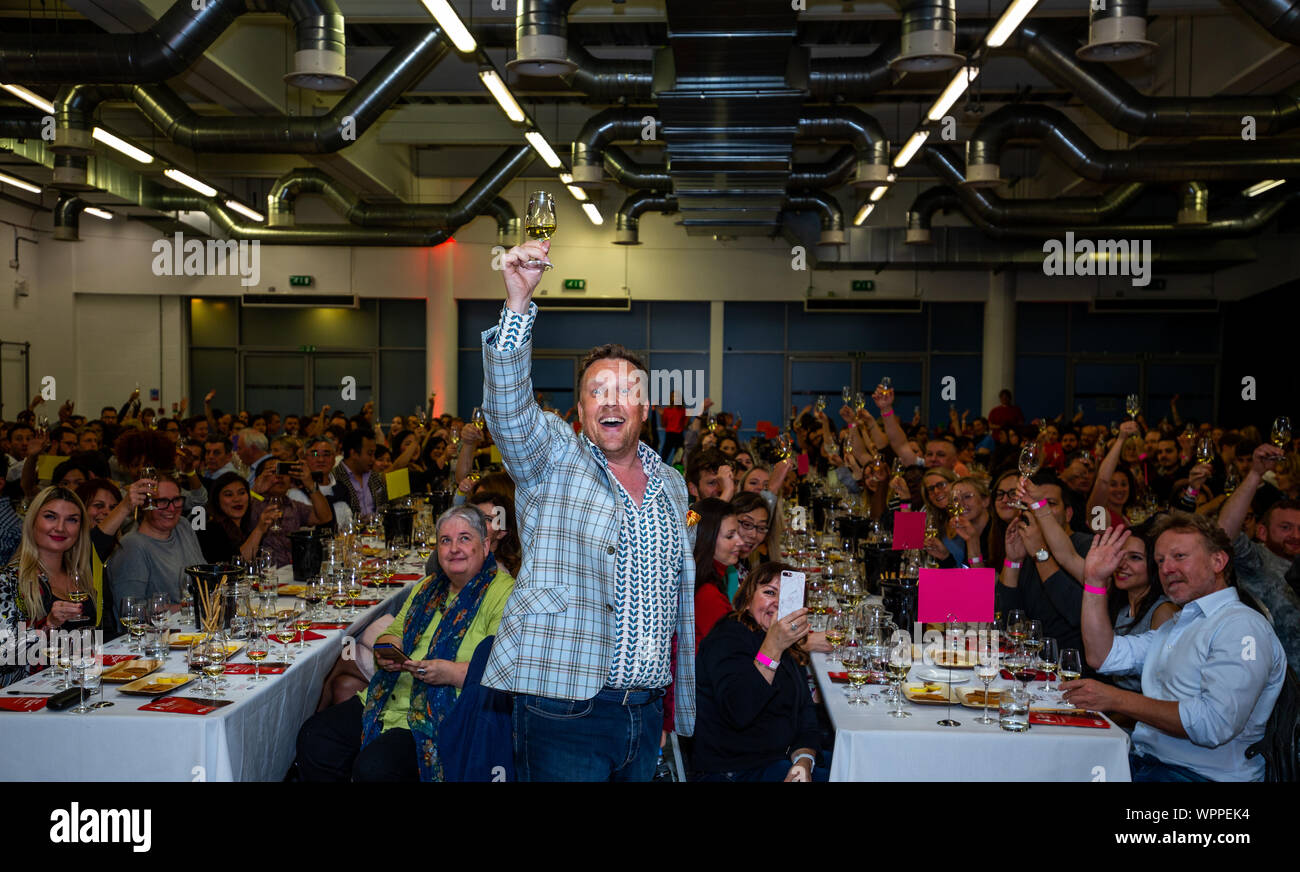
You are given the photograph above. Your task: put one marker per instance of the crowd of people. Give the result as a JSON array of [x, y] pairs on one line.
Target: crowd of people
[[632, 591]]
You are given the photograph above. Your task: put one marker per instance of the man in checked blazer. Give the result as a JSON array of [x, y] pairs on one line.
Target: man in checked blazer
[[607, 575]]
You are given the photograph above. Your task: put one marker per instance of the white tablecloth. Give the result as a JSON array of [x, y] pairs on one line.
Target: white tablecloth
[[870, 745], [251, 740]]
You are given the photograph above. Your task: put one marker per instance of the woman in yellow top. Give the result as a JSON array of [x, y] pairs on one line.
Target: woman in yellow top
[[389, 732]]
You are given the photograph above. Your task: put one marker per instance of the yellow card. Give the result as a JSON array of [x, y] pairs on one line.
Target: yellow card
[[398, 482], [45, 466]]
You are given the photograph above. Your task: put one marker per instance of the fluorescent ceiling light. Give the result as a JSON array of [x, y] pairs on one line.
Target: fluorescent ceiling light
[[451, 25], [98, 213], [567, 178], [543, 148], [113, 142], [910, 148], [593, 213], [863, 213], [19, 183], [955, 89], [891, 177], [504, 98], [879, 192], [27, 96], [236, 206], [1260, 187], [1009, 21], [191, 182], [578, 193]]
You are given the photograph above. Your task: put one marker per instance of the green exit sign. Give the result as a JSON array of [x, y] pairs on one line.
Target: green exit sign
[[300, 281], [864, 285], [575, 284], [306, 347]]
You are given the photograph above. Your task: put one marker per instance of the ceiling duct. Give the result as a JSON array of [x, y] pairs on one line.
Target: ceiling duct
[[611, 80], [631, 174], [859, 128], [67, 217], [1194, 203], [619, 124], [541, 38], [824, 174], [1279, 17], [476, 200], [347, 121], [1117, 32], [1061, 136], [70, 172], [929, 37], [627, 221], [1029, 218], [920, 214], [22, 123], [854, 78], [1124, 107], [828, 210], [174, 43]]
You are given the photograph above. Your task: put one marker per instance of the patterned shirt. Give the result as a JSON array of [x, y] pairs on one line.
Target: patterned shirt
[[649, 560]]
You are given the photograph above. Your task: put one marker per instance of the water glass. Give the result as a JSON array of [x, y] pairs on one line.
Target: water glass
[[1013, 710]]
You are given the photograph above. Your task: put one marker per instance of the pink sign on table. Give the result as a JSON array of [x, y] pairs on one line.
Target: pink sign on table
[[909, 530], [945, 595]]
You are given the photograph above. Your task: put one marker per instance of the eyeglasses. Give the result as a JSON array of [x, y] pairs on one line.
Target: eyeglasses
[[165, 503], [935, 488], [750, 527], [1004, 494], [320, 453]]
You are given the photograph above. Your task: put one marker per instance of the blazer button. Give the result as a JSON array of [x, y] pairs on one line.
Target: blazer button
[[610, 550]]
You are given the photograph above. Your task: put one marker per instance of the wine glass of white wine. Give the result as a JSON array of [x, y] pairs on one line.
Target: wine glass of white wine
[[859, 401], [539, 223], [1071, 666], [1281, 435], [1133, 405], [150, 474], [1205, 450], [846, 394], [1031, 460]]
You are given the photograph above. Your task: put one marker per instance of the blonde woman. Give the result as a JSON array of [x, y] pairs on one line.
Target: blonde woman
[[34, 587]]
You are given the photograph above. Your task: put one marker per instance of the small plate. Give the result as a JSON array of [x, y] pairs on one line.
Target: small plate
[[293, 590], [939, 676], [159, 684], [130, 670], [929, 693], [973, 697], [955, 659]]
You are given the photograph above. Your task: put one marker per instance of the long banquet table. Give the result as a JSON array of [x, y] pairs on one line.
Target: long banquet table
[[871, 745], [252, 739]]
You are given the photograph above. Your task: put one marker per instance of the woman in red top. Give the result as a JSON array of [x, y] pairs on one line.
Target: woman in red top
[[717, 547]]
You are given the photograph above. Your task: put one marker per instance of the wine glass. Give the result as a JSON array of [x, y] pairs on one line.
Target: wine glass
[[1031, 460], [157, 610], [836, 631], [821, 403], [1016, 619], [859, 401], [1071, 667], [258, 648], [900, 662], [301, 624], [132, 616], [887, 384], [353, 592], [986, 669], [1048, 656], [80, 590], [284, 634], [1133, 405], [87, 670], [785, 446], [1281, 433], [539, 223], [150, 474], [1032, 645], [846, 394], [214, 662], [479, 419], [1204, 450]]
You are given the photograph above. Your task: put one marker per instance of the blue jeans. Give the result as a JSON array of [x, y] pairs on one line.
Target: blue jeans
[[1143, 767], [598, 739]]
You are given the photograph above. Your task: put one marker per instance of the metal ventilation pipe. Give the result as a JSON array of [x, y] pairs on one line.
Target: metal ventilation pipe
[[920, 214], [22, 123], [828, 211], [1194, 204], [175, 42], [627, 221], [853, 78], [475, 200], [929, 35], [541, 38], [1064, 139], [610, 79], [351, 117], [71, 171], [1117, 32], [1124, 107], [824, 174], [67, 217], [1279, 17], [609, 125], [508, 224], [632, 174], [866, 134]]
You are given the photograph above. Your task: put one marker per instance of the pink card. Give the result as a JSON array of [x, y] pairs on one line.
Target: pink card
[[802, 466], [909, 530], [945, 595]]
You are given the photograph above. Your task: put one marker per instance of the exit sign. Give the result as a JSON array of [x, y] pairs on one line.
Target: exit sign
[[864, 285], [300, 281], [575, 284]]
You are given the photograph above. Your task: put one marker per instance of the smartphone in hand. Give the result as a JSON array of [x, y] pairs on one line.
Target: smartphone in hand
[[389, 651]]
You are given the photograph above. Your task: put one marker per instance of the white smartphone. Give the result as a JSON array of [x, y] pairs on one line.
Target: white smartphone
[[792, 584]]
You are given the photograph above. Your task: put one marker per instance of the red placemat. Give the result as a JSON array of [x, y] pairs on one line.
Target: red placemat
[[1066, 719], [843, 678], [326, 625], [1038, 676], [22, 703], [407, 576], [365, 602], [308, 636], [247, 669], [182, 706]]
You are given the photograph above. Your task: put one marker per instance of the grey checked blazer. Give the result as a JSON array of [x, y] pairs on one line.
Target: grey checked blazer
[[556, 638]]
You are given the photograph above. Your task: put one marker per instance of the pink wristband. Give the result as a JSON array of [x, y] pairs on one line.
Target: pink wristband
[[1010, 564], [765, 660], [1099, 591], [886, 413], [1033, 507], [976, 561]]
